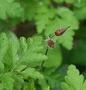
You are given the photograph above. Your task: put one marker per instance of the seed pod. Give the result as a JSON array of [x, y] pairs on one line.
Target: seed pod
[[51, 43], [61, 31]]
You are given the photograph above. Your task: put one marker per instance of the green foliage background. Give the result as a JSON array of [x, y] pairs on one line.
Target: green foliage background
[[24, 27]]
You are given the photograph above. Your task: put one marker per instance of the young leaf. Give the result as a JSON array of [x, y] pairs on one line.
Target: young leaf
[[34, 54], [73, 80]]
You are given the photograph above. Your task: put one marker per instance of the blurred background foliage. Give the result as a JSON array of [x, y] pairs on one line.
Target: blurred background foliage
[[37, 19]]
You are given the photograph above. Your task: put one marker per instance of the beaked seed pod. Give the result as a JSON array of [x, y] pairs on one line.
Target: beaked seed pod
[[61, 31], [51, 43]]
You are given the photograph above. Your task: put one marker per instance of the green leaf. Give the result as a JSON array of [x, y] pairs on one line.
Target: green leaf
[[32, 73], [20, 68], [33, 59], [23, 44], [43, 84], [29, 85], [84, 85], [35, 44], [3, 49], [11, 56], [63, 21], [80, 13], [1, 67], [31, 7], [73, 80], [34, 54], [19, 81], [54, 58], [15, 11], [7, 81], [3, 45], [66, 39], [44, 17]]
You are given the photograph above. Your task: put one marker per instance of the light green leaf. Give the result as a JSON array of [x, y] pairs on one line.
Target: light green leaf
[[54, 58], [19, 81], [73, 80], [23, 45], [34, 54], [44, 17], [43, 84], [10, 8], [35, 44], [63, 22], [3, 45], [7, 81], [11, 56], [32, 73]]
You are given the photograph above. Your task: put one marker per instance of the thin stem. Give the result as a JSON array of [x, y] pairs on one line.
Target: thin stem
[[46, 51], [44, 61]]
